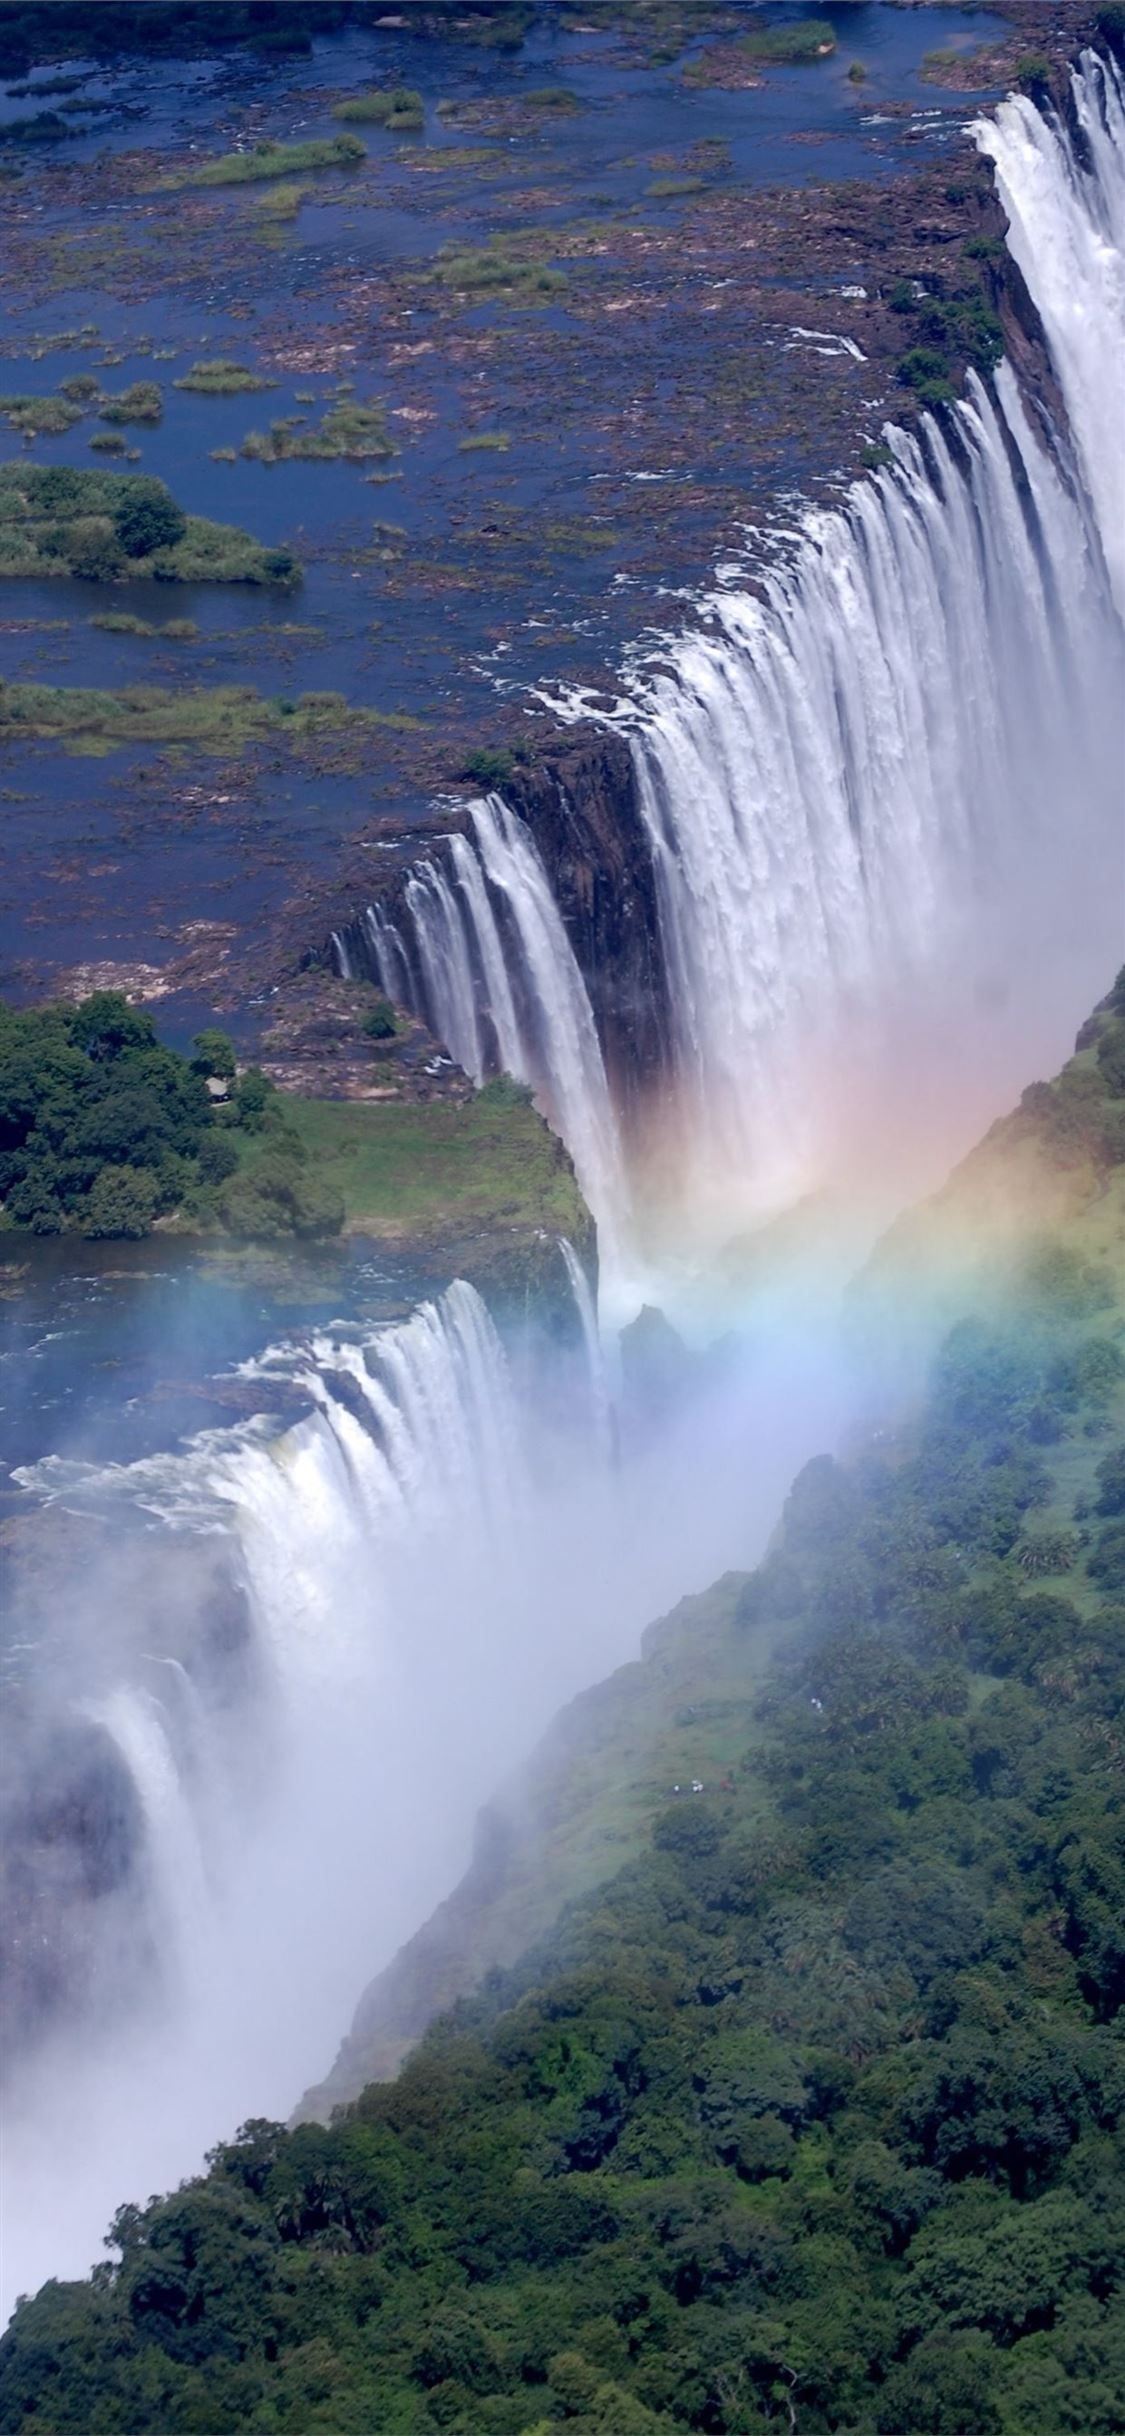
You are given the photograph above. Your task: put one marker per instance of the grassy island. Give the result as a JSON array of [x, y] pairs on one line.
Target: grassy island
[[216, 376], [400, 111], [105, 527], [268, 160], [215, 718], [345, 431]]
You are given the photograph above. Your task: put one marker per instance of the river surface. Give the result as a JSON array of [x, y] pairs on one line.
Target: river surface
[[440, 581]]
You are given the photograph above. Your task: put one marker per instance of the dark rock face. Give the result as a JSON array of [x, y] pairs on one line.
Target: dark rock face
[[578, 798], [580, 804], [73, 1844]]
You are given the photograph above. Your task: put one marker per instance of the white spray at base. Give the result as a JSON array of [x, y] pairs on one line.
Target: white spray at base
[[881, 784], [433, 1563]]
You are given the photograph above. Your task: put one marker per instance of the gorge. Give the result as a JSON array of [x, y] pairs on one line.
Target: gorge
[[774, 921]]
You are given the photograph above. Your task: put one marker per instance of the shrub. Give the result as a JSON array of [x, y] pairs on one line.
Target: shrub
[[926, 371], [381, 1023], [143, 402], [505, 1092], [488, 766], [96, 557], [252, 1098], [122, 1202], [148, 519], [214, 1054], [1111, 1483], [401, 111], [1111, 1057], [1033, 73]]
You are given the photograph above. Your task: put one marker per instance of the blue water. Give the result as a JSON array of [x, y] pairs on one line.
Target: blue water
[[104, 864]]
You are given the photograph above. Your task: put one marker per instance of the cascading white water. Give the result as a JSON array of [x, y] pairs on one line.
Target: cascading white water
[[890, 765], [1066, 229], [524, 1010], [435, 1556], [852, 780], [587, 1309]]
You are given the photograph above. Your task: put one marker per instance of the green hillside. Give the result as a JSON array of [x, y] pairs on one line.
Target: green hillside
[[811, 2116]]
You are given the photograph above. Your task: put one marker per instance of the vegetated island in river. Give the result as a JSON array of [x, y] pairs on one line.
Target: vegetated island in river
[[809, 2113], [106, 528], [105, 1133]]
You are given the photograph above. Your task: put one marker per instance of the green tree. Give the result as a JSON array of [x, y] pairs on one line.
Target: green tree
[[147, 518], [214, 1054], [121, 1201]]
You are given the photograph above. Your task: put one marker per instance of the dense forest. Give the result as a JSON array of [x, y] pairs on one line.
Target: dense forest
[[812, 2117], [103, 1131]]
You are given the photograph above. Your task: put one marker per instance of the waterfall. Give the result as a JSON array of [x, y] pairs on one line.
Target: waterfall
[[500, 985], [138, 1729], [433, 1554], [412, 1436], [587, 1310], [844, 775], [877, 777], [1066, 213]]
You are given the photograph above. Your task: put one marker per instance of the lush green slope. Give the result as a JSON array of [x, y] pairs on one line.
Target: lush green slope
[[812, 2117]]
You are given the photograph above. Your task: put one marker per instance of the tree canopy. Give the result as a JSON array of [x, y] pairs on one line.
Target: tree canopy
[[103, 1130]]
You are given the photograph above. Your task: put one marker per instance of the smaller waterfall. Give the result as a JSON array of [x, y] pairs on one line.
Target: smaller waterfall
[[490, 966], [586, 1307], [136, 1726]]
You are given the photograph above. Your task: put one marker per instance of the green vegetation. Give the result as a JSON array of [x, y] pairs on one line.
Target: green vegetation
[[216, 376], [381, 1022], [45, 127], [1032, 73], [109, 444], [489, 765], [268, 160], [485, 439], [790, 45], [346, 431], [280, 203], [103, 1131], [39, 418], [57, 521], [122, 621], [402, 1169], [41, 30], [927, 371], [214, 718], [961, 325], [811, 2117], [486, 270], [550, 97], [400, 110], [143, 402], [677, 186]]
